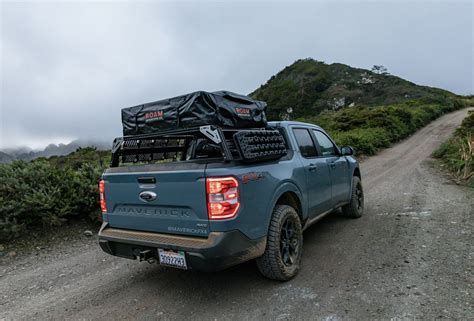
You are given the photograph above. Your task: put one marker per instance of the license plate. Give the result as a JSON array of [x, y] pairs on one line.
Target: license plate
[[174, 259]]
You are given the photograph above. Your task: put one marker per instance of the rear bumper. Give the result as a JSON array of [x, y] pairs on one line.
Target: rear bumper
[[218, 251]]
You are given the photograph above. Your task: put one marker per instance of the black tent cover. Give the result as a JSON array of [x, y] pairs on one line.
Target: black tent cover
[[220, 108]]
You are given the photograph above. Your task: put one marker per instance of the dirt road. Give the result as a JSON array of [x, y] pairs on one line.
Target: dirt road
[[411, 255]]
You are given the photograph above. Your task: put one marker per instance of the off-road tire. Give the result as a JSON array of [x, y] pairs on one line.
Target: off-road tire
[[355, 208], [272, 264]]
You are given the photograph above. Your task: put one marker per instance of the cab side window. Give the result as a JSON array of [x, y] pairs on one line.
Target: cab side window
[[305, 142], [327, 147]]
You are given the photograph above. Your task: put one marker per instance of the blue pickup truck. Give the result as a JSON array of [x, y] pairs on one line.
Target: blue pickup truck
[[198, 209]]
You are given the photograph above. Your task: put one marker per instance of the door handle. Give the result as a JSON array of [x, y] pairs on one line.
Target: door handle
[[146, 180], [333, 165], [312, 167]]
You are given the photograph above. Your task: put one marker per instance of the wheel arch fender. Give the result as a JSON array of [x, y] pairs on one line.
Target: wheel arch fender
[[282, 192]]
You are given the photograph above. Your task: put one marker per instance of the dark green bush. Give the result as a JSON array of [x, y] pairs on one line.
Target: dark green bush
[[39, 193], [364, 140]]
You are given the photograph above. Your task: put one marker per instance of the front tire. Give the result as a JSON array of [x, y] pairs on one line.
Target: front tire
[[355, 208], [282, 256]]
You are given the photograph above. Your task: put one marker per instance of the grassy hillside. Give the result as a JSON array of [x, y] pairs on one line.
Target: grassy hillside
[[310, 87], [365, 109], [458, 152]]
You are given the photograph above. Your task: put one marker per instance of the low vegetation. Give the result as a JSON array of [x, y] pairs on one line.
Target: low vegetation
[[368, 129], [48, 192], [458, 152]]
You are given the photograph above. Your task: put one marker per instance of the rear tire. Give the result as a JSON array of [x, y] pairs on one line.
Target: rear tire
[[355, 208], [282, 256]]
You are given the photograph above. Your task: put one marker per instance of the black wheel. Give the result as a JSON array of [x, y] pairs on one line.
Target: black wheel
[[355, 208], [282, 257]]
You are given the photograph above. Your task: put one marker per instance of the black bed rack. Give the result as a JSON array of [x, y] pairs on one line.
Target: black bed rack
[[233, 144]]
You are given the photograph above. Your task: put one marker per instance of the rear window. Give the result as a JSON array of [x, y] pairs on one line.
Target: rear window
[[305, 142]]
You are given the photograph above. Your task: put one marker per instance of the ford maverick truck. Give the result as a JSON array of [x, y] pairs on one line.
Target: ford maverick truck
[[196, 199]]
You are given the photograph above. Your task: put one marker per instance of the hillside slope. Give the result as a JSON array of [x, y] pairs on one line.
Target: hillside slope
[[309, 87], [5, 158]]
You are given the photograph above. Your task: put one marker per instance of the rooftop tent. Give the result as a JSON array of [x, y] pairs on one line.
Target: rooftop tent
[[220, 108]]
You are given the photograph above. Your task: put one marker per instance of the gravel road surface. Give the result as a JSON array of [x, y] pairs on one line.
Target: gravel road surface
[[410, 256]]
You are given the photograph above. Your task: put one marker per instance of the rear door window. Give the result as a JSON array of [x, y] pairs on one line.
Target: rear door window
[[305, 142]]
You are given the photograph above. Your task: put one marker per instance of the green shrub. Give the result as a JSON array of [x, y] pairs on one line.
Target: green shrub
[[458, 152], [364, 140], [39, 193], [468, 100]]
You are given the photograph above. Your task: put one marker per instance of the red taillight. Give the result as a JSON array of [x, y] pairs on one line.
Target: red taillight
[[103, 204], [222, 197]]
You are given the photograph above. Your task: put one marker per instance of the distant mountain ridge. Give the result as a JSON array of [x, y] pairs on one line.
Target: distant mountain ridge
[[24, 153], [308, 87]]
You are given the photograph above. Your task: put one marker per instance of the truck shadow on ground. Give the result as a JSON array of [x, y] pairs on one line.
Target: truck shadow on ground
[[245, 276], [153, 289]]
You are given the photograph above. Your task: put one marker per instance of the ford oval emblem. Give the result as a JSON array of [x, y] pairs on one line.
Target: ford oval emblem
[[147, 196]]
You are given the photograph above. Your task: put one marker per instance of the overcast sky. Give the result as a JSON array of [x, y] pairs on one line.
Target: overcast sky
[[68, 68]]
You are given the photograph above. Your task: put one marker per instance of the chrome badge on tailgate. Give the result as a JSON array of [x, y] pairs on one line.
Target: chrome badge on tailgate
[[147, 196]]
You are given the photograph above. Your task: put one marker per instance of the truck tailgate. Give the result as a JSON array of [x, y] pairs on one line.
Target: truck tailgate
[[173, 198]]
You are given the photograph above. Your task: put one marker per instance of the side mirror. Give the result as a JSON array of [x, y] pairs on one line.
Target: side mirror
[[347, 151]]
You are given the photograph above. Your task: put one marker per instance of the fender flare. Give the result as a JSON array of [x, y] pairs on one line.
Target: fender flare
[[286, 186]]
